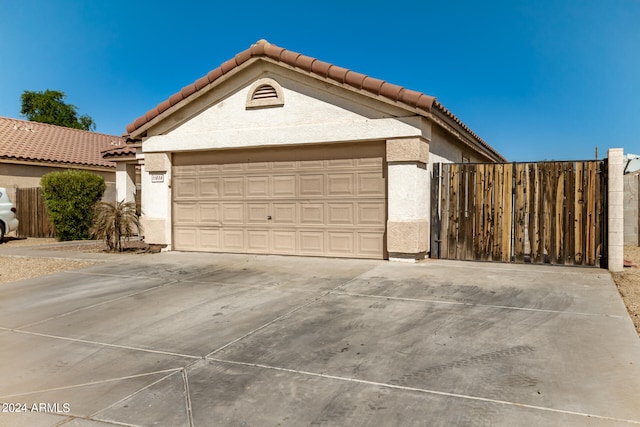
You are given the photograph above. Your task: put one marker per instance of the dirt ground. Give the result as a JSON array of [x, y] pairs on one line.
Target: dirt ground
[[628, 283]]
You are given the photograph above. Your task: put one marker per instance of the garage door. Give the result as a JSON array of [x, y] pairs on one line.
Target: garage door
[[318, 201]]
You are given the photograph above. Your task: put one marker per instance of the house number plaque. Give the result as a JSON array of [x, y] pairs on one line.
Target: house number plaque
[[157, 177]]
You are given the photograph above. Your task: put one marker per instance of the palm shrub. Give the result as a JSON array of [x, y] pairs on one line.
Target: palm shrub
[[70, 197], [115, 221]]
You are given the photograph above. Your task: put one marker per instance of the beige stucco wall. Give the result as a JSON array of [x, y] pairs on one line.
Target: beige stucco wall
[[444, 148], [314, 112], [14, 176]]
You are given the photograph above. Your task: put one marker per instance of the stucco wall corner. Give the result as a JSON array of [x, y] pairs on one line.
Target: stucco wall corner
[[408, 237], [154, 230]]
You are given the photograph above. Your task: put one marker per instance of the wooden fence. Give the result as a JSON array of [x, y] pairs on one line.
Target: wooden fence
[[32, 214], [546, 212]]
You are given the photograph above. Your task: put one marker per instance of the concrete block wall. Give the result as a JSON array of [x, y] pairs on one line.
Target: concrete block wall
[[615, 210], [631, 209]]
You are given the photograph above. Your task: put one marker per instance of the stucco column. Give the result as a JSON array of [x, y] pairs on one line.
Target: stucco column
[[126, 182], [408, 199], [156, 198], [615, 197]]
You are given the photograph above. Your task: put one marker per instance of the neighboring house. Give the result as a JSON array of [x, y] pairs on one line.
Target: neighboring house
[[275, 152], [29, 150], [631, 163]]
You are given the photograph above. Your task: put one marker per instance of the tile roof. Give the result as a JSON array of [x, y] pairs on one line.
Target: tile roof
[[40, 142], [119, 152], [364, 83]]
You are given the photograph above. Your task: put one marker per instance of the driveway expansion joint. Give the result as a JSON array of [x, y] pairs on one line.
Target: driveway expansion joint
[[469, 304], [421, 390]]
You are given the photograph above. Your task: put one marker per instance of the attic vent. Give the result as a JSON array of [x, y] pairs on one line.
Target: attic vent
[[265, 93]]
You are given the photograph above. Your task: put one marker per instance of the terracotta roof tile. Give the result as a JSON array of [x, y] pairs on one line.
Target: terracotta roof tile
[[338, 73], [372, 85], [354, 79], [228, 65], [32, 141], [262, 48], [119, 152], [320, 67], [304, 62], [201, 82]]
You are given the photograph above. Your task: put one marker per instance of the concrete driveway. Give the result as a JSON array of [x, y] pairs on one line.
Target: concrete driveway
[[183, 339]]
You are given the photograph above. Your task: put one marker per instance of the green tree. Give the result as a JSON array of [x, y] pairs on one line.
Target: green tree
[[49, 107], [70, 197]]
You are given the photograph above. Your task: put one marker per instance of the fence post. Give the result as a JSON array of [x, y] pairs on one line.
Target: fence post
[[615, 226]]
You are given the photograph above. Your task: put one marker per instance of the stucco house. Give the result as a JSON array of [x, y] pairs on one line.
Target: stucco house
[[29, 150], [275, 152]]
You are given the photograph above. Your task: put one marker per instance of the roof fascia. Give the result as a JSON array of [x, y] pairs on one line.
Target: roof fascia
[[458, 132]]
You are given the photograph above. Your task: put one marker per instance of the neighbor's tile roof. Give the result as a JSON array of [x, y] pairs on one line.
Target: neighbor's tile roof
[[361, 82], [33, 141]]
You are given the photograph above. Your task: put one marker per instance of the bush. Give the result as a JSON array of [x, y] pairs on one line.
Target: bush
[[114, 221], [70, 197]]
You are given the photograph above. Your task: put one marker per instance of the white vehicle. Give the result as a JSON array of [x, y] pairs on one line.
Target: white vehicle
[[8, 220]]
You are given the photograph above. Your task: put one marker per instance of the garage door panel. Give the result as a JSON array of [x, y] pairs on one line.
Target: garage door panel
[[184, 213], [232, 167], [340, 243], [258, 166], [185, 238], [311, 185], [340, 214], [314, 201], [370, 244], [258, 241], [284, 213], [208, 169], [312, 242], [185, 188], [232, 240], [284, 186], [209, 213], [232, 187], [209, 239], [257, 213], [284, 242], [312, 214], [371, 184], [232, 214], [258, 186], [340, 184], [341, 163], [371, 214], [311, 164], [280, 166], [209, 187]]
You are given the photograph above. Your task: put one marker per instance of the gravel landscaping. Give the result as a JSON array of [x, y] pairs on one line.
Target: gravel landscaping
[[18, 268]]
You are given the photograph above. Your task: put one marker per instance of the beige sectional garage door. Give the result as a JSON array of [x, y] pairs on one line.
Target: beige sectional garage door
[[321, 200]]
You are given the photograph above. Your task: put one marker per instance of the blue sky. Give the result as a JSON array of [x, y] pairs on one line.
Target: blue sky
[[538, 80]]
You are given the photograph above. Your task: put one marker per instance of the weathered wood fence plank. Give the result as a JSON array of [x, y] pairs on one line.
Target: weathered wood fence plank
[[551, 212]]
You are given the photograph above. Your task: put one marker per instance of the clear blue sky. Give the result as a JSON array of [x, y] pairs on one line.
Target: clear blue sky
[[544, 79]]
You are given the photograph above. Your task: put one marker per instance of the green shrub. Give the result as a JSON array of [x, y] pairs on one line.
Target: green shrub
[[70, 197]]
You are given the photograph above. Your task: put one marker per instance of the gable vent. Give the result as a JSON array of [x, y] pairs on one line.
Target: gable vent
[[265, 92]]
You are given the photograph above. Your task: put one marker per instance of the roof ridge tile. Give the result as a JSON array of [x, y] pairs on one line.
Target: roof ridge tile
[[262, 48]]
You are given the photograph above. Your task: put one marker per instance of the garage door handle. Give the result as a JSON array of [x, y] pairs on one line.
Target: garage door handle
[[269, 217]]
